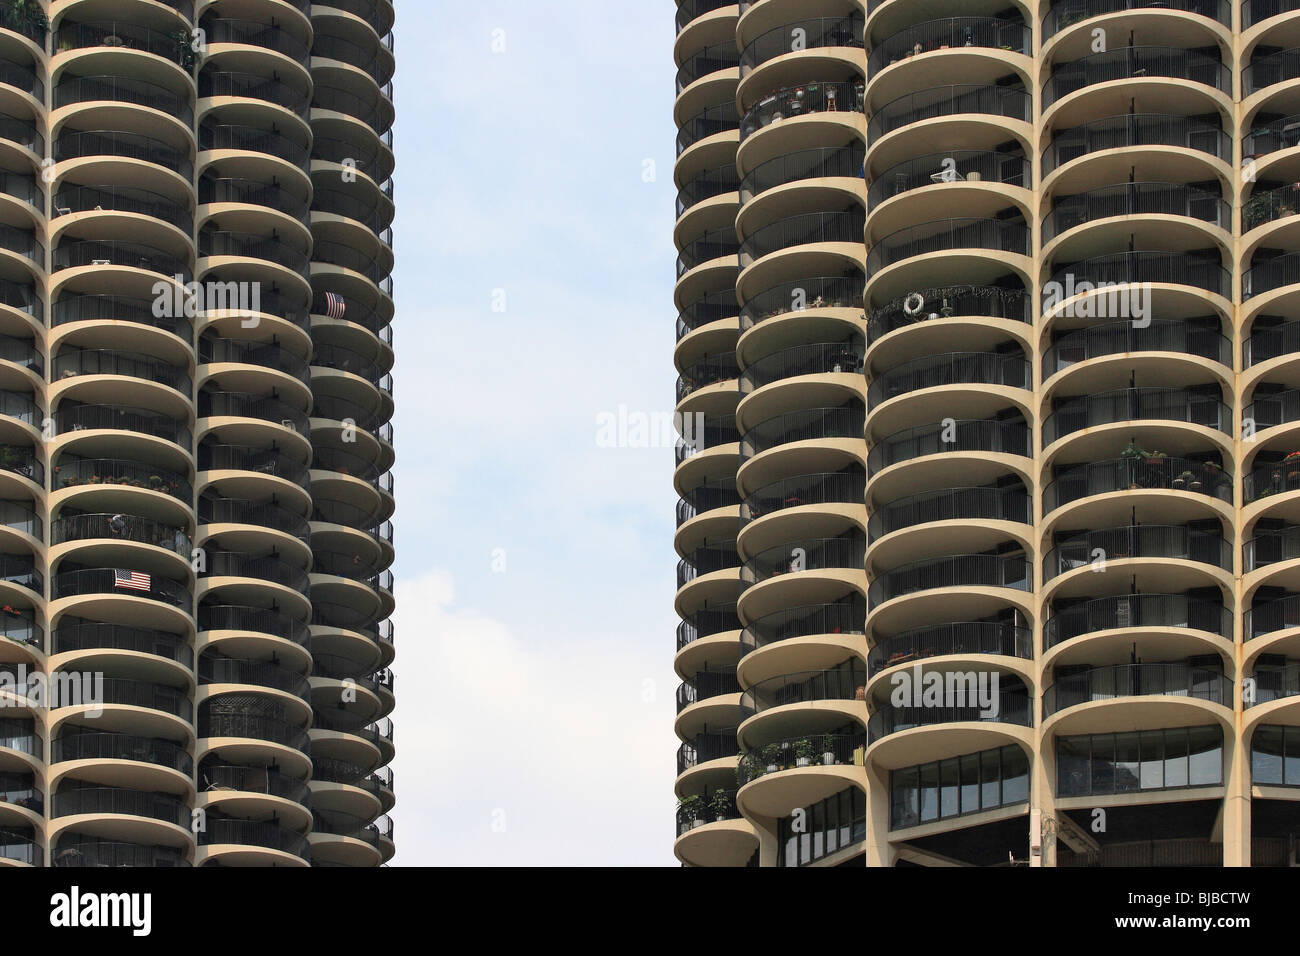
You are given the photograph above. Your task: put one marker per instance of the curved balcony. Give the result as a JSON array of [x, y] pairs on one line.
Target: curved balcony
[[118, 35], [223, 351], [261, 514], [72, 362], [229, 245], [23, 243], [838, 618], [826, 162], [28, 21], [114, 746], [810, 98], [119, 89], [104, 853], [229, 192], [953, 33], [1118, 338], [116, 308], [722, 118], [712, 307], [1269, 205], [90, 636], [1135, 404], [716, 244], [707, 185], [967, 165], [951, 504], [109, 581], [845, 487], [21, 407], [954, 571], [75, 417], [20, 627], [223, 836], [98, 144], [1136, 62], [806, 554], [691, 10], [711, 370], [118, 801], [1268, 479], [226, 779], [251, 86], [1135, 199], [74, 472], [1268, 275], [814, 424], [996, 235], [252, 33], [1138, 541], [954, 639], [707, 559], [229, 670], [799, 296], [1269, 70], [955, 368], [706, 685], [121, 527], [717, 431], [1270, 547], [1068, 13], [996, 102], [841, 683], [817, 33], [254, 620], [819, 358], [715, 58], [1133, 473], [1136, 131], [795, 752], [248, 139], [80, 253], [706, 623], [251, 726], [1175, 679], [262, 407], [1013, 706], [965, 435], [1130, 611], [73, 199], [802, 230]]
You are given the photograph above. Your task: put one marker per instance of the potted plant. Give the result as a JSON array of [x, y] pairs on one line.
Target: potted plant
[[1291, 463], [720, 804], [828, 751], [803, 752], [771, 754], [693, 810]]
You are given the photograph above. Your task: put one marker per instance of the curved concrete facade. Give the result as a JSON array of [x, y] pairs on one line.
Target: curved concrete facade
[[988, 351], [195, 465]]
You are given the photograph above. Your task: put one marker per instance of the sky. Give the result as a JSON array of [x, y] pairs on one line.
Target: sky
[[535, 568]]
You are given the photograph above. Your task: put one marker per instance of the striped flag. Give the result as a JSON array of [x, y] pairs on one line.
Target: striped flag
[[334, 305], [132, 580]]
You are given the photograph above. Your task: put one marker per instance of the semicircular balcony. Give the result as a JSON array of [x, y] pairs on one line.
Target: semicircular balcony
[[1150, 557], [1177, 80], [252, 630], [829, 307], [245, 728], [931, 320], [1120, 696], [120, 813], [339, 838], [924, 389], [818, 111], [1087, 356], [139, 540], [158, 104], [231, 90], [971, 182], [961, 640], [711, 832], [249, 522], [812, 374], [941, 587], [252, 416], [78, 643], [970, 519], [963, 115], [977, 450], [772, 57], [779, 776], [161, 764], [164, 220], [977, 251], [121, 321], [911, 729], [151, 599], [244, 45], [974, 48], [137, 159], [788, 638], [807, 241], [220, 674], [253, 790], [768, 703], [252, 152], [82, 374], [707, 633], [826, 167], [1109, 628], [1102, 151], [1167, 488], [76, 850], [1083, 424], [1167, 15], [231, 841]]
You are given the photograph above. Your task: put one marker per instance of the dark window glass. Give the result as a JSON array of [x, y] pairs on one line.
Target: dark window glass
[[1266, 765], [970, 783], [949, 788], [1015, 775], [1153, 760], [1072, 766], [990, 780], [1103, 764], [1291, 773], [929, 792], [1127, 761], [1206, 760]]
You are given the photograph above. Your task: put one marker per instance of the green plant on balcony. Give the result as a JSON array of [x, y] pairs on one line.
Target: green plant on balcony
[[828, 751], [803, 752], [24, 14], [693, 809], [720, 804], [186, 55], [771, 756]]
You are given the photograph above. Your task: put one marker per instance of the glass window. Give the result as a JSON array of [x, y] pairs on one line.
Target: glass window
[[949, 788], [1291, 772], [970, 783], [990, 779], [1127, 762], [818, 819], [1153, 760], [1072, 766], [1015, 775], [1176, 758], [906, 806], [1103, 764], [1206, 757], [1266, 765], [929, 792]]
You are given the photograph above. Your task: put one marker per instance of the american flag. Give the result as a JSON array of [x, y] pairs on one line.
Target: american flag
[[132, 580], [334, 305]]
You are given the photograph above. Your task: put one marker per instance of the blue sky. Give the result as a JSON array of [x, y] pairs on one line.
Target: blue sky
[[534, 723]]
